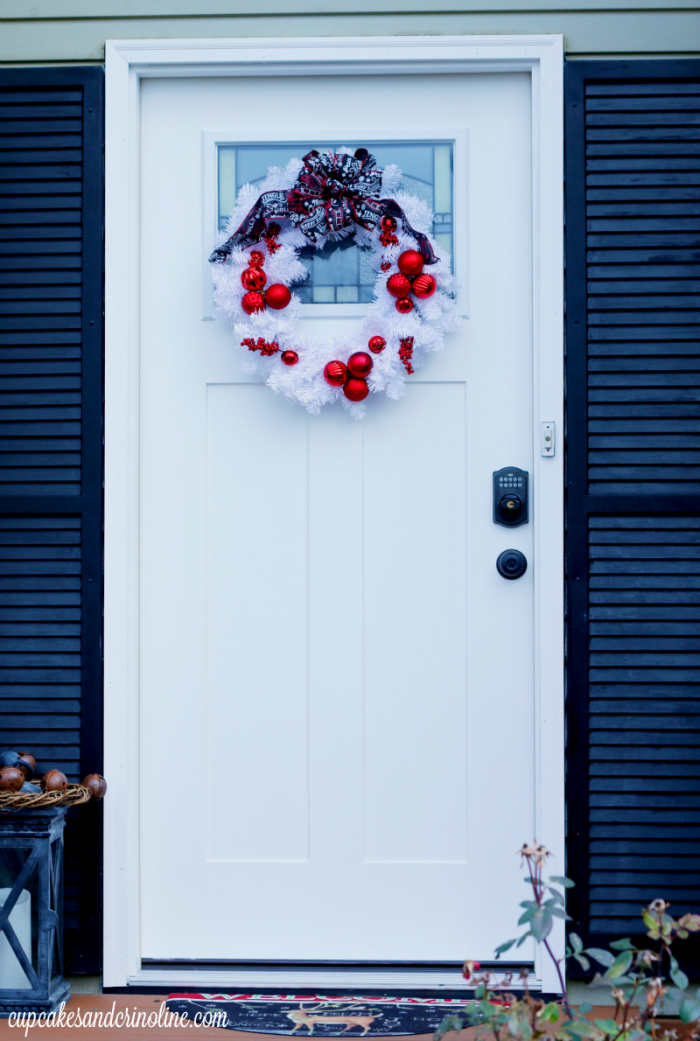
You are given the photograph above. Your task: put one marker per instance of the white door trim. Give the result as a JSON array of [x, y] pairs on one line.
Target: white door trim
[[129, 61]]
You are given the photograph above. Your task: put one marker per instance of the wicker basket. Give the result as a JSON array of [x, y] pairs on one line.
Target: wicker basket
[[74, 795]]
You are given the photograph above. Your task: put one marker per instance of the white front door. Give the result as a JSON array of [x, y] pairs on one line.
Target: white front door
[[337, 708]]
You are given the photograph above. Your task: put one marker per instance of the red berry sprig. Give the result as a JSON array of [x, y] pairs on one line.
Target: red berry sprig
[[265, 348], [406, 353], [270, 237]]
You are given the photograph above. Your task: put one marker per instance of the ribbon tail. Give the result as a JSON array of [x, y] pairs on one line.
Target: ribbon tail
[[392, 209], [252, 228]]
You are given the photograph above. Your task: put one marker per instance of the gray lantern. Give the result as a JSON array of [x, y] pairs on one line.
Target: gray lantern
[[31, 911]]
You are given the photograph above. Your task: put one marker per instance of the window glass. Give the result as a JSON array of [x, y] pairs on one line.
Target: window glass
[[340, 272]]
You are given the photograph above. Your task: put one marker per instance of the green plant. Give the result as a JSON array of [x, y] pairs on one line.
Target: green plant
[[639, 978]]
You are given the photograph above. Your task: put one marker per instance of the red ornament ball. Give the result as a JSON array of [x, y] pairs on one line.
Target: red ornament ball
[[335, 373], [404, 305], [277, 296], [256, 258], [253, 302], [411, 263], [398, 285], [253, 278], [290, 357], [360, 364], [385, 265], [424, 286], [377, 344], [356, 389], [388, 224]]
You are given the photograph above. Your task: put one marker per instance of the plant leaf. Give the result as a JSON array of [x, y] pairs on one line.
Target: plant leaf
[[600, 955], [452, 1022], [583, 962], [576, 941], [541, 924], [608, 1026], [567, 883], [679, 977], [690, 1010], [620, 966], [523, 938], [622, 945], [503, 948], [585, 1007]]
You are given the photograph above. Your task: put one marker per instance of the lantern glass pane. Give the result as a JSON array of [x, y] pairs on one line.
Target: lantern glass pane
[[340, 272], [23, 917]]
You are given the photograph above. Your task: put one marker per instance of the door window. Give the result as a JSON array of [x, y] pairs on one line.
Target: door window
[[340, 273]]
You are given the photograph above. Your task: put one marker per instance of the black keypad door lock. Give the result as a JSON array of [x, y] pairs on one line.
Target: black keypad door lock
[[511, 563], [510, 498]]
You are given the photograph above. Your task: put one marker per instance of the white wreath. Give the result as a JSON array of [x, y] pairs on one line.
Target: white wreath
[[275, 351]]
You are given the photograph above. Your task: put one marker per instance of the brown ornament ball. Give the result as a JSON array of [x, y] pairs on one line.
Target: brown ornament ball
[[376, 344], [253, 278], [360, 364], [398, 285], [424, 286], [335, 373], [355, 389], [253, 302], [256, 258], [411, 263], [97, 785], [277, 296], [26, 767], [404, 305], [29, 758], [11, 780], [290, 357], [54, 781]]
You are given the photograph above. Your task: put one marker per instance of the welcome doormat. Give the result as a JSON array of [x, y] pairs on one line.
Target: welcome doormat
[[319, 1015]]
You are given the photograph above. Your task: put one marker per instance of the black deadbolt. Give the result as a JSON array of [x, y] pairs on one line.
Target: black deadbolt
[[511, 504], [511, 563], [510, 497]]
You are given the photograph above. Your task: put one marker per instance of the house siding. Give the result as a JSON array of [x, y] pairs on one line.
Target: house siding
[[76, 30]]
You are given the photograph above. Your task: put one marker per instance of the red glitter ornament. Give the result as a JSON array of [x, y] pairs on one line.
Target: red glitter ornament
[[355, 389], [256, 258], [398, 285], [277, 296], [377, 344], [388, 224], [424, 286], [335, 373], [360, 364], [270, 237], [253, 302], [385, 265], [411, 262], [406, 353], [253, 278], [290, 357], [404, 305]]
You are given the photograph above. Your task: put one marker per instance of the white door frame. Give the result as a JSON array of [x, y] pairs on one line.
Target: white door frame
[[127, 63]]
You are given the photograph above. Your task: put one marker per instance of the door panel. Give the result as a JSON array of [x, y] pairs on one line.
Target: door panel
[[330, 665]]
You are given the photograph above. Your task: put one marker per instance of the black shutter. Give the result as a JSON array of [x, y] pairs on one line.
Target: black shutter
[[51, 264], [633, 489]]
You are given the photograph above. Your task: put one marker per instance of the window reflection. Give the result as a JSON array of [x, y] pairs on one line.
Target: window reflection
[[340, 272]]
